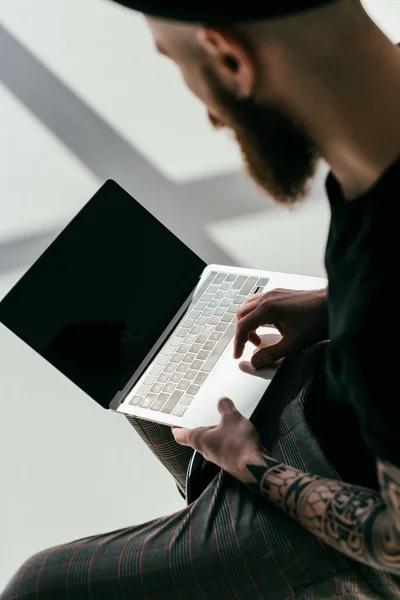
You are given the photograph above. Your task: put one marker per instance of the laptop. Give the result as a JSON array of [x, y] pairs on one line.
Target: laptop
[[136, 320]]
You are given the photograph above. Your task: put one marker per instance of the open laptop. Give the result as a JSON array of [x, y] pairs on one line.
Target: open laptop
[[133, 317]]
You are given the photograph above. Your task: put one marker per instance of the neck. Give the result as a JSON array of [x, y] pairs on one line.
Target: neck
[[348, 102]]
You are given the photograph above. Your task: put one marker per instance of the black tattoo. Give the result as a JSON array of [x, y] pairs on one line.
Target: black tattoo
[[356, 521]]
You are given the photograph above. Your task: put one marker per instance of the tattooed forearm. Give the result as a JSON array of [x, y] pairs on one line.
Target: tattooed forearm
[[352, 519], [389, 479]]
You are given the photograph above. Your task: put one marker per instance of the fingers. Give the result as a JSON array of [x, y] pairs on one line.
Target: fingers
[[248, 323], [227, 408], [269, 354], [254, 338], [188, 437]]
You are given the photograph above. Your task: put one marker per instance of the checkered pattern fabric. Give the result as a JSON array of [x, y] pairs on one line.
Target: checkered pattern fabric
[[227, 545]]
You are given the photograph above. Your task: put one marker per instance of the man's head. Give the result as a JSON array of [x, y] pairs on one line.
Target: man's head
[[235, 66]]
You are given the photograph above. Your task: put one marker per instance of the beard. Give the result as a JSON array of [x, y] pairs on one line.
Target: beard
[[278, 155]]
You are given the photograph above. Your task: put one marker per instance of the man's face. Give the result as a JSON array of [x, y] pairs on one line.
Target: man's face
[[279, 156]]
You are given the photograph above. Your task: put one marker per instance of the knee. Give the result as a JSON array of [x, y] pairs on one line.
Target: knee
[[25, 583]]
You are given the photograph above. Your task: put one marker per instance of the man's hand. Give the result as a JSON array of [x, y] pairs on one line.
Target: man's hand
[[226, 445], [301, 317]]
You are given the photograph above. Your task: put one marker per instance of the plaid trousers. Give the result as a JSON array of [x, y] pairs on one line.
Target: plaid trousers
[[229, 544]]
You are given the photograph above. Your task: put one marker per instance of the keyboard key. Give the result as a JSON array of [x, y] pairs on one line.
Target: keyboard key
[[219, 348], [190, 374], [240, 281], [172, 402], [219, 295], [196, 330], [239, 300], [162, 360], [183, 348], [209, 345], [207, 312], [176, 377], [262, 283], [225, 302], [206, 298], [183, 385], [169, 388], [231, 294], [196, 365], [200, 378], [168, 351], [159, 403], [182, 368], [194, 314], [189, 339], [179, 410], [148, 401], [221, 326], [156, 370], [188, 323], [135, 400], [248, 286], [201, 339], [176, 358], [202, 355], [213, 321], [193, 389], [225, 286], [212, 288], [232, 309], [163, 378], [188, 358], [227, 318], [156, 388], [200, 306], [213, 303], [201, 321], [186, 400], [207, 329], [169, 368], [195, 348], [215, 336], [231, 277], [218, 312], [181, 333], [219, 278], [174, 342], [143, 390]]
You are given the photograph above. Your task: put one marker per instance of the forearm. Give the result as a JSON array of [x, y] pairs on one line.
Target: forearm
[[352, 519]]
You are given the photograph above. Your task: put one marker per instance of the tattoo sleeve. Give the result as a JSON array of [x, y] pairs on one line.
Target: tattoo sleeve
[[357, 521]]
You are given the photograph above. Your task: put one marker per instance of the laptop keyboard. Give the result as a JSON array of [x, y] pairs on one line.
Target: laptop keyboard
[[192, 352]]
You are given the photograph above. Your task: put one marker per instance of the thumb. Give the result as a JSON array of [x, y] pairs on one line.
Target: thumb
[[269, 354], [226, 407]]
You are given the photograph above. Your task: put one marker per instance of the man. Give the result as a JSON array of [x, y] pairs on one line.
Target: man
[[295, 81]]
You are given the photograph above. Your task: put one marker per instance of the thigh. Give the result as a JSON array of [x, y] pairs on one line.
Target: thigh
[[227, 545]]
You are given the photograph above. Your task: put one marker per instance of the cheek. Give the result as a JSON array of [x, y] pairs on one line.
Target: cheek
[[197, 85]]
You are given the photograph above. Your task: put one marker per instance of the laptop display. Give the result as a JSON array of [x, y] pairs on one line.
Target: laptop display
[[98, 299]]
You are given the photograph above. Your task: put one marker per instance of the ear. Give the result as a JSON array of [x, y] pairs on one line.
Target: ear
[[231, 60]]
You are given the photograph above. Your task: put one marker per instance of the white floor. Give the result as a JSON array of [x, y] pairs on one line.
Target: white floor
[[69, 469]]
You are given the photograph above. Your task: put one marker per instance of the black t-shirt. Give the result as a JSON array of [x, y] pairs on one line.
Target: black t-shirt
[[354, 405]]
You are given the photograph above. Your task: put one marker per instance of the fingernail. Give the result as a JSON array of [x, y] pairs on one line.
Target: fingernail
[[225, 403]]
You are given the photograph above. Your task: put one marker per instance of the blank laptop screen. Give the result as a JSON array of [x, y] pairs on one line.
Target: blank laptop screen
[[101, 295]]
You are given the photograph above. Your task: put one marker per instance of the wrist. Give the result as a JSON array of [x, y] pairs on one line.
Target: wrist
[[252, 457]]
